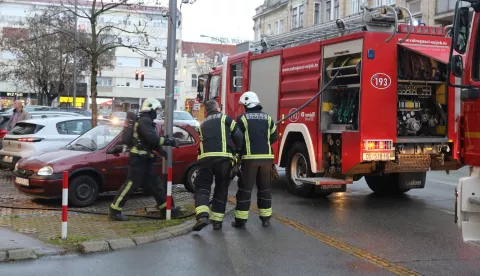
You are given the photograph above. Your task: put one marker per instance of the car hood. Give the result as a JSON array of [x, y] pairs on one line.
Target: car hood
[[190, 122], [52, 157]]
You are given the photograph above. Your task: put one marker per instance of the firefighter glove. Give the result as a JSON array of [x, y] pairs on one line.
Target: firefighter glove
[[171, 142]]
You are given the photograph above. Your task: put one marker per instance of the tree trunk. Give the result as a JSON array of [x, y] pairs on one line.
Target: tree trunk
[[93, 91]]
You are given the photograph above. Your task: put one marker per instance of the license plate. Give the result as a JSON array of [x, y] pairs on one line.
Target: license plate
[[22, 181], [377, 156], [8, 159]]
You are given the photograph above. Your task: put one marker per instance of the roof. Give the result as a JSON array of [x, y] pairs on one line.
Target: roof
[[192, 48]]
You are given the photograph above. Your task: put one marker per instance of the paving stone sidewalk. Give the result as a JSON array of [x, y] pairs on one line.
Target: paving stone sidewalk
[[86, 232]]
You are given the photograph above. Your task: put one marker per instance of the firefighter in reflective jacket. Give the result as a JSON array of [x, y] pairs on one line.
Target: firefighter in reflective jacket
[[257, 160], [219, 141], [141, 159]]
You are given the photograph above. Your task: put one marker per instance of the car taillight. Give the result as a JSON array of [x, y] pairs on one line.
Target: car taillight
[[377, 145], [30, 139], [3, 133]]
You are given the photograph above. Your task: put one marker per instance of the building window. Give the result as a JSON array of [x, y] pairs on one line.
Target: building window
[[148, 62], [355, 6], [278, 27], [269, 29], [236, 77], [336, 10], [194, 80], [294, 18], [415, 7], [328, 8], [316, 18], [300, 16], [384, 2], [104, 81]]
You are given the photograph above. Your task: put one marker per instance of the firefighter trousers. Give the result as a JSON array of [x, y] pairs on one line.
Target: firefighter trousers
[[257, 172], [141, 173], [203, 185]]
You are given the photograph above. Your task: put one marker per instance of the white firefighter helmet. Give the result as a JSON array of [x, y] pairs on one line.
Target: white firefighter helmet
[[150, 104], [249, 99]]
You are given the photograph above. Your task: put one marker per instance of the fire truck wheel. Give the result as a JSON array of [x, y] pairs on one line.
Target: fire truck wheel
[[385, 184], [298, 166]]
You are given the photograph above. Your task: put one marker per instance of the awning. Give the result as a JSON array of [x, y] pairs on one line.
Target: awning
[[439, 53]]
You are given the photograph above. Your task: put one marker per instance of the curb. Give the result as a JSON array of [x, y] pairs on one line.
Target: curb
[[17, 255], [107, 245], [116, 244]]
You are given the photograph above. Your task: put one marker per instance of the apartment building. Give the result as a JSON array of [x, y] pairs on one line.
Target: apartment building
[[433, 13], [116, 86], [281, 16]]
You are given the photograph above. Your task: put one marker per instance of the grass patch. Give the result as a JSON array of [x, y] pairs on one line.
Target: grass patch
[[72, 243]]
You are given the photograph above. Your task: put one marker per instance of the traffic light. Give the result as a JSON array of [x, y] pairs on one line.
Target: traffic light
[[136, 75], [143, 76]]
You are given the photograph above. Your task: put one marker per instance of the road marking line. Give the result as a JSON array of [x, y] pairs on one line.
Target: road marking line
[[340, 245]]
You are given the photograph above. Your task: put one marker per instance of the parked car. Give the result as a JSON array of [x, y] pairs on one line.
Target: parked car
[[31, 108], [184, 117], [96, 163], [35, 115], [38, 135], [80, 111], [118, 117]]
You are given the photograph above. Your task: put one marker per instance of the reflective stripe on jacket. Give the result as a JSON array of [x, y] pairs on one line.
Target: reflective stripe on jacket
[[260, 133], [218, 132]]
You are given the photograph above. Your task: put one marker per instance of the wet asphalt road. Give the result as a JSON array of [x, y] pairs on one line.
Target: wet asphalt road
[[415, 231]]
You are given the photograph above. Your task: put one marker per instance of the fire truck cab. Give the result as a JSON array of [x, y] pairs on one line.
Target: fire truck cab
[[360, 96], [465, 67]]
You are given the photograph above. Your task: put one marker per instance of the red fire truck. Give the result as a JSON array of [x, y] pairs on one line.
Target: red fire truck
[[465, 66], [365, 95]]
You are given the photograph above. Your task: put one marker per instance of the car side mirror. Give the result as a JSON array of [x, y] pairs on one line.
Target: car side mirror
[[115, 149], [457, 66], [461, 28]]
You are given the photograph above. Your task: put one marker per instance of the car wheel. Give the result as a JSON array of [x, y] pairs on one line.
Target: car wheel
[[191, 174], [82, 191]]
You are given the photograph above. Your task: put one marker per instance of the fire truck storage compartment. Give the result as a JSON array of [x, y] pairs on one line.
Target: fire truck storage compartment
[[422, 95], [340, 101], [264, 80]]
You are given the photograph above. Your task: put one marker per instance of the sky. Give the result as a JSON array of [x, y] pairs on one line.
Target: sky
[[218, 18]]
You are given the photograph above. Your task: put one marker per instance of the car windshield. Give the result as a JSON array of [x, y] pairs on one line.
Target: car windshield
[[121, 115], [97, 138], [182, 116]]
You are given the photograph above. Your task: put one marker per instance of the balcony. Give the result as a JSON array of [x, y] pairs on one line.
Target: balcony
[[444, 6]]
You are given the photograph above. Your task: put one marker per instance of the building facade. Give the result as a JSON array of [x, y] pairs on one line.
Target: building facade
[[281, 16], [116, 86]]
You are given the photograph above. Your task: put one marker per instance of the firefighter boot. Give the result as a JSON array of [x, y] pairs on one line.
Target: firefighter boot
[[217, 225], [175, 211], [201, 222], [117, 215], [265, 221], [239, 223]]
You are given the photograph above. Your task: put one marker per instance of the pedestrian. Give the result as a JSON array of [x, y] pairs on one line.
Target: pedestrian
[[141, 161], [256, 160], [219, 141], [19, 114]]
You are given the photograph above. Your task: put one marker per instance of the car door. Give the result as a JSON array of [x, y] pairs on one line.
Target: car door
[[116, 168], [185, 154]]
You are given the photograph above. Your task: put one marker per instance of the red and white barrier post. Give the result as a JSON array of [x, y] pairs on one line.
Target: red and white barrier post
[[169, 194], [64, 205]]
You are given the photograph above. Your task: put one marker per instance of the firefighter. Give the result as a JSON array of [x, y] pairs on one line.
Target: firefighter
[[219, 141], [141, 170], [256, 160]]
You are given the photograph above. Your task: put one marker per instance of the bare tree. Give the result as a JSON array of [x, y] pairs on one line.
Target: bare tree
[[43, 62], [109, 26]]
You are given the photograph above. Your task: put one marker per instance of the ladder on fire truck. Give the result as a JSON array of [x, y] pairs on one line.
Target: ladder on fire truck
[[380, 19]]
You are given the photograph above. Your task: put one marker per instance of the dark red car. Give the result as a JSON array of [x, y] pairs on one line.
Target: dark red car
[[96, 164]]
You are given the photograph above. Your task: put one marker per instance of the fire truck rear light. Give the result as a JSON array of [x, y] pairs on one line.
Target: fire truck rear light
[[372, 145]]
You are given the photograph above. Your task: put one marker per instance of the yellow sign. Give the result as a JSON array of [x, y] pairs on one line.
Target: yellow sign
[[79, 101]]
